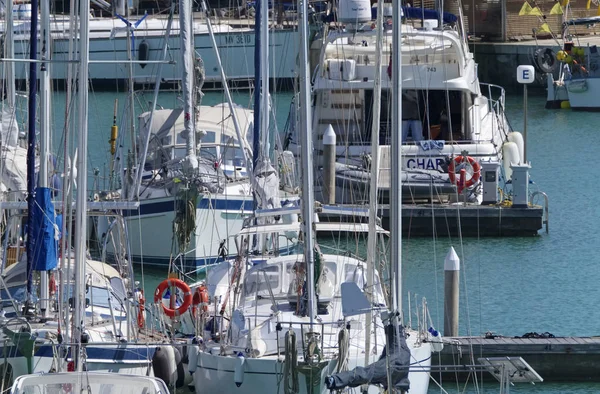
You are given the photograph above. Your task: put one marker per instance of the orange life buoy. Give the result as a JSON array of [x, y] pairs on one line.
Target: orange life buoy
[[181, 285], [461, 159], [201, 297], [141, 320]]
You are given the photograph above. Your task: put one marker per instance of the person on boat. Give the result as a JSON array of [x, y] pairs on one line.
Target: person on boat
[[412, 108]]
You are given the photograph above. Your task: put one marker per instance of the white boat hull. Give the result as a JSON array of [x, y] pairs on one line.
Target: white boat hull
[[216, 374], [217, 219], [236, 49]]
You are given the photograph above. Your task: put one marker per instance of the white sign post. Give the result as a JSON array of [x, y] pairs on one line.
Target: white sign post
[[525, 76]]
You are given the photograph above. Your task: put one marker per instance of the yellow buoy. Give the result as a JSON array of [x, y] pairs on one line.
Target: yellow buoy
[[565, 105]]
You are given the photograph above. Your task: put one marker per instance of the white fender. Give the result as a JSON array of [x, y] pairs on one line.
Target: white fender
[[510, 155], [238, 373], [517, 138], [193, 358]]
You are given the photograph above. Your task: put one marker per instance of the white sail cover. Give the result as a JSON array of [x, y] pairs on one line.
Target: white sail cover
[[13, 176], [9, 130]]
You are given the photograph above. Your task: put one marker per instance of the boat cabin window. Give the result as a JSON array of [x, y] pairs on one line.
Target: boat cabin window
[[256, 282], [441, 114]]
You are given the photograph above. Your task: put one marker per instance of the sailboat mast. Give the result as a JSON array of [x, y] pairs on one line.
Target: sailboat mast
[[306, 152], [81, 202], [257, 85], [32, 106], [44, 129], [396, 162], [264, 78], [10, 54], [187, 56], [372, 239]]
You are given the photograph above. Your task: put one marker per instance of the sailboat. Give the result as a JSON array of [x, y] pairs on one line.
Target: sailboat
[[40, 303], [195, 156], [290, 330]]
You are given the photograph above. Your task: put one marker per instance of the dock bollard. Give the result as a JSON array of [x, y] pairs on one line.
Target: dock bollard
[[451, 293], [329, 141]]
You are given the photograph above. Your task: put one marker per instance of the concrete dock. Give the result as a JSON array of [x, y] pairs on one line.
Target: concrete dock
[[498, 61], [555, 359]]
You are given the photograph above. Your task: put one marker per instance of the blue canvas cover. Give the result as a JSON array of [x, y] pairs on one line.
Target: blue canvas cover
[[43, 242]]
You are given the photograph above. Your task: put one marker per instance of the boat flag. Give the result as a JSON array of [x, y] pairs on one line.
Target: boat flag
[[536, 11], [544, 29], [556, 10], [525, 10]]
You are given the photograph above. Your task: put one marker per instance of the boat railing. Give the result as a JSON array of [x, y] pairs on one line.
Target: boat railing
[[496, 96]]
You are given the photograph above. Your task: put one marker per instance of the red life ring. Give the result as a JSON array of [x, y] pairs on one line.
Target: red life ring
[[461, 159], [181, 285]]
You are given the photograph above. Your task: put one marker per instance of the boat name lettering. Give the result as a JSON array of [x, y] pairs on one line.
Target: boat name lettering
[[425, 164], [431, 69], [238, 39]]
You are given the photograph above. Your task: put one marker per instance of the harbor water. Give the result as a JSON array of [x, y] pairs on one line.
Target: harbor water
[[509, 286]]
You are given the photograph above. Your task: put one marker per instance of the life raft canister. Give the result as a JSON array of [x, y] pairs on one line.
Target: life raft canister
[[459, 160], [181, 285]]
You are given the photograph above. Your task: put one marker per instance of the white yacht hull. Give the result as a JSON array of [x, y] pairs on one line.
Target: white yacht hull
[[236, 49], [216, 373], [120, 358], [584, 93], [218, 217]]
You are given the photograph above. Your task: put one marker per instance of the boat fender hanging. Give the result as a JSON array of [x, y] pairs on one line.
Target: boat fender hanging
[[544, 59], [179, 373], [193, 351], [238, 372], [143, 52], [163, 364], [459, 160], [181, 285]]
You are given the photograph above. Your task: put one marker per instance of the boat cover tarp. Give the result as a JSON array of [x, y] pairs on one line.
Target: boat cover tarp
[[45, 234], [376, 373], [583, 21]]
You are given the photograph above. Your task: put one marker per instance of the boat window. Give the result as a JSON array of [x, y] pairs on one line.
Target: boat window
[[233, 156], [180, 152], [99, 297], [385, 117], [255, 282], [209, 137], [118, 287], [209, 152]]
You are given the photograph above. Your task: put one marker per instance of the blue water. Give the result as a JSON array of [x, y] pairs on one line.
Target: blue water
[[510, 286]]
